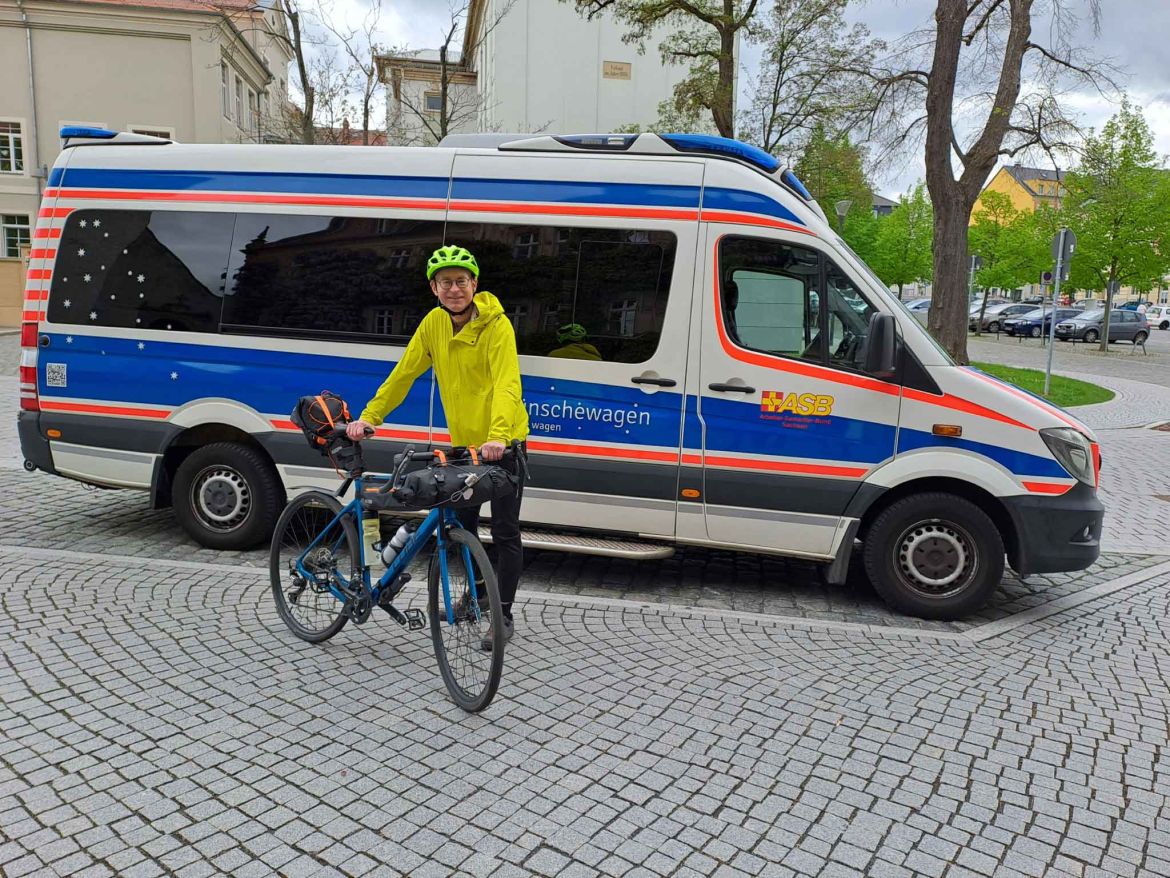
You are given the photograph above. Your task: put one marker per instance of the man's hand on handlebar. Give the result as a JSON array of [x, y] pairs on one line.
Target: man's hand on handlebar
[[492, 451], [358, 430]]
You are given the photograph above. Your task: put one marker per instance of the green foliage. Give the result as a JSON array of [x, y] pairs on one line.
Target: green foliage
[[1013, 244], [902, 241], [1066, 392], [832, 169], [1118, 203]]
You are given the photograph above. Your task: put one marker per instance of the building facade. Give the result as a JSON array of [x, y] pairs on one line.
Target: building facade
[[195, 72], [1028, 188], [529, 66]]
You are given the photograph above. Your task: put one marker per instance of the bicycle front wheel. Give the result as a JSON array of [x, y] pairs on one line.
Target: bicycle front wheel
[[470, 674], [327, 551]]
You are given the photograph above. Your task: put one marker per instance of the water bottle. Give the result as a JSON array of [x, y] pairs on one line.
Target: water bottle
[[391, 549], [371, 535]]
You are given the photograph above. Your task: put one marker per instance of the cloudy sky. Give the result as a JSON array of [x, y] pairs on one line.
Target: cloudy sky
[[1134, 34]]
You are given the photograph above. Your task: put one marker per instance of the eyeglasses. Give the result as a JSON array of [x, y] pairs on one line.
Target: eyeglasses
[[463, 283]]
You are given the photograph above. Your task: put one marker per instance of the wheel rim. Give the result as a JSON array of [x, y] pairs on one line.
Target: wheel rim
[[1035, 332], [221, 498], [935, 558], [309, 603], [469, 668], [1091, 336]]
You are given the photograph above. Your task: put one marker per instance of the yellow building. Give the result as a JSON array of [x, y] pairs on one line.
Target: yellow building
[[1028, 188]]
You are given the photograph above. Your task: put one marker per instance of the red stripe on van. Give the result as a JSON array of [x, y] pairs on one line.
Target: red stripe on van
[[785, 466], [31, 317], [40, 273], [42, 254], [600, 451], [54, 212], [249, 198], [36, 295], [1050, 409], [1047, 487], [46, 233], [751, 219], [576, 210], [93, 409]]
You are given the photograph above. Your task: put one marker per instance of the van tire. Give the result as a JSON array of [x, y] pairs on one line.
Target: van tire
[[935, 555], [227, 495]]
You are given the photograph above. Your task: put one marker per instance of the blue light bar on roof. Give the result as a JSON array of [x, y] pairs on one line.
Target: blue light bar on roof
[[712, 145], [790, 180], [82, 131]]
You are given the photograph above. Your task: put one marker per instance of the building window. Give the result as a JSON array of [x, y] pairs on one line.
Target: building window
[[239, 115], [15, 227], [383, 323], [224, 95], [11, 148], [622, 316], [526, 245], [252, 126], [433, 101], [399, 258]]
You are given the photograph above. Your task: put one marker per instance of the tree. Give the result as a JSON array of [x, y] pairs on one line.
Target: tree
[[459, 100], [361, 48], [1118, 202], [902, 248], [976, 86], [990, 237], [702, 34], [832, 169], [799, 85]]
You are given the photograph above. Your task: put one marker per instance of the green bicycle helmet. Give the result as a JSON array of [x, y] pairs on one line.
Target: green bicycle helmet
[[571, 332], [452, 256]]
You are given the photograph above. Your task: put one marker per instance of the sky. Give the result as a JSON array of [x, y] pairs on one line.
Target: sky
[[1133, 35]]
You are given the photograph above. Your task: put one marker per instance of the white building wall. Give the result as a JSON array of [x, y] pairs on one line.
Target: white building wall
[[541, 69]]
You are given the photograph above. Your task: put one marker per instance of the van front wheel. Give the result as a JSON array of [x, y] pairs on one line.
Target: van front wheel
[[937, 556], [227, 496]]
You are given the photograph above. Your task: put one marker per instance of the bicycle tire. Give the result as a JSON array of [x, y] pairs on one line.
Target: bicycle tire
[[467, 631], [301, 522]]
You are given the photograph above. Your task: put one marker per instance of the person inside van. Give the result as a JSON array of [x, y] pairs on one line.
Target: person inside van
[[573, 346], [471, 346]]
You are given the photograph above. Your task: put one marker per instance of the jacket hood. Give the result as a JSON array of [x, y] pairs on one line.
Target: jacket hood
[[490, 310]]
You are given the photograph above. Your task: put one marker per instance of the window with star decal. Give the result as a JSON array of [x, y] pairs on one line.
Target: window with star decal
[[141, 269]]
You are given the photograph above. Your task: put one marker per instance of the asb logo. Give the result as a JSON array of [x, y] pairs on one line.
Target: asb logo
[[777, 402]]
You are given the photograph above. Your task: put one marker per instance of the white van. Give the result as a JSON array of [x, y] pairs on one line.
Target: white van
[[759, 388]]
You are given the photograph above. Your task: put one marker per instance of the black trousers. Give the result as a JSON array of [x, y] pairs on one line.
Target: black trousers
[[506, 547]]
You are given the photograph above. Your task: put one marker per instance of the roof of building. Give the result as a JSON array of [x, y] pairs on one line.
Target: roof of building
[[190, 5], [882, 201], [1024, 176]]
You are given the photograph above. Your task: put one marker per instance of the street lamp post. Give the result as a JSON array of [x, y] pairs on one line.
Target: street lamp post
[[1062, 249], [841, 208]]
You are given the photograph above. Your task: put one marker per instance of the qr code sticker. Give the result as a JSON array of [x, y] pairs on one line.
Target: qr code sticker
[[55, 374]]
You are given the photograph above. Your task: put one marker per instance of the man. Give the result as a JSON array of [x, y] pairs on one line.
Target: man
[[471, 346], [572, 337]]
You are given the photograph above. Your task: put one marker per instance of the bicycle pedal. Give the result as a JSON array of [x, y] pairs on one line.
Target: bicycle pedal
[[416, 619]]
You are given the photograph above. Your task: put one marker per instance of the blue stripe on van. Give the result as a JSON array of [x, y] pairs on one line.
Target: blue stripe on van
[[256, 181], [575, 192], [715, 198], [1019, 462]]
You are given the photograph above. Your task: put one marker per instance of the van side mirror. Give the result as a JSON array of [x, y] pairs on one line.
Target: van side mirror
[[881, 346]]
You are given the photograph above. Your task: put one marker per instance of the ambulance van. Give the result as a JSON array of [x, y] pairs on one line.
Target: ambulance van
[[750, 385]]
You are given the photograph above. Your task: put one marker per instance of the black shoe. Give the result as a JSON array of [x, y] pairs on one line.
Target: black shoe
[[509, 630]]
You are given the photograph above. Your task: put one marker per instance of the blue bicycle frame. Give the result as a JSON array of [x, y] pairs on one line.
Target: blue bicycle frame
[[436, 523]]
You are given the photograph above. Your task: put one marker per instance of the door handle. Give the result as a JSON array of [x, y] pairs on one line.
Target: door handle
[[731, 388], [657, 382]]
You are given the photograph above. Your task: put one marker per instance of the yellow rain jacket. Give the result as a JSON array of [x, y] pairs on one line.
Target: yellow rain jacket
[[477, 371]]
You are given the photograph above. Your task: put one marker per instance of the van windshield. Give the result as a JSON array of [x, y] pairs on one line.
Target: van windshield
[[878, 283]]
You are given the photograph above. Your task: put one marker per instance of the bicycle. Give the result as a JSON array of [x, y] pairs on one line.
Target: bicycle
[[318, 566]]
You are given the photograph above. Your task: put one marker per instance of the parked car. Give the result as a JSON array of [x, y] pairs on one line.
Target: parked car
[[978, 303], [1123, 326], [917, 305], [1159, 316], [995, 314], [1033, 300], [1089, 304], [1035, 323], [1133, 306]]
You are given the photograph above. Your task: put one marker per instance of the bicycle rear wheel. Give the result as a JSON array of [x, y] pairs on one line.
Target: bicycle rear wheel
[[470, 674], [306, 605]]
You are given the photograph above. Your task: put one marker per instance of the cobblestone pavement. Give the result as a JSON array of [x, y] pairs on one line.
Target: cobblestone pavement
[[1122, 361], [158, 720]]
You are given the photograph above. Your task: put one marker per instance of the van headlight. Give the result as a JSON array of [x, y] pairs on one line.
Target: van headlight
[[1072, 450]]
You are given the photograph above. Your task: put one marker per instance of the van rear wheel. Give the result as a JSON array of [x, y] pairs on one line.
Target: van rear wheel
[[937, 556], [227, 496]]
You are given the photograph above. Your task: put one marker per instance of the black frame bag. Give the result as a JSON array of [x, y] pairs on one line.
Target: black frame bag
[[454, 485]]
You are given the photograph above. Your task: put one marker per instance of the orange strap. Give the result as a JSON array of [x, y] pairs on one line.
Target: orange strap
[[474, 455], [325, 408], [441, 456]]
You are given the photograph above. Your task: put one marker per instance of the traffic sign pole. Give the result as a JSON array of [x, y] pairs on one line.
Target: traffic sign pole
[[1062, 249]]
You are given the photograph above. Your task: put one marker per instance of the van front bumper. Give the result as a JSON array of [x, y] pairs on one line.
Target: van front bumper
[[1055, 534]]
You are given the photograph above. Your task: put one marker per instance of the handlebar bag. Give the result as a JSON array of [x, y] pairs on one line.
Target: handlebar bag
[[457, 486], [318, 416]]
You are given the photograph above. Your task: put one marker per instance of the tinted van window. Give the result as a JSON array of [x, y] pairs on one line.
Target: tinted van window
[[140, 269], [612, 283], [309, 275]]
